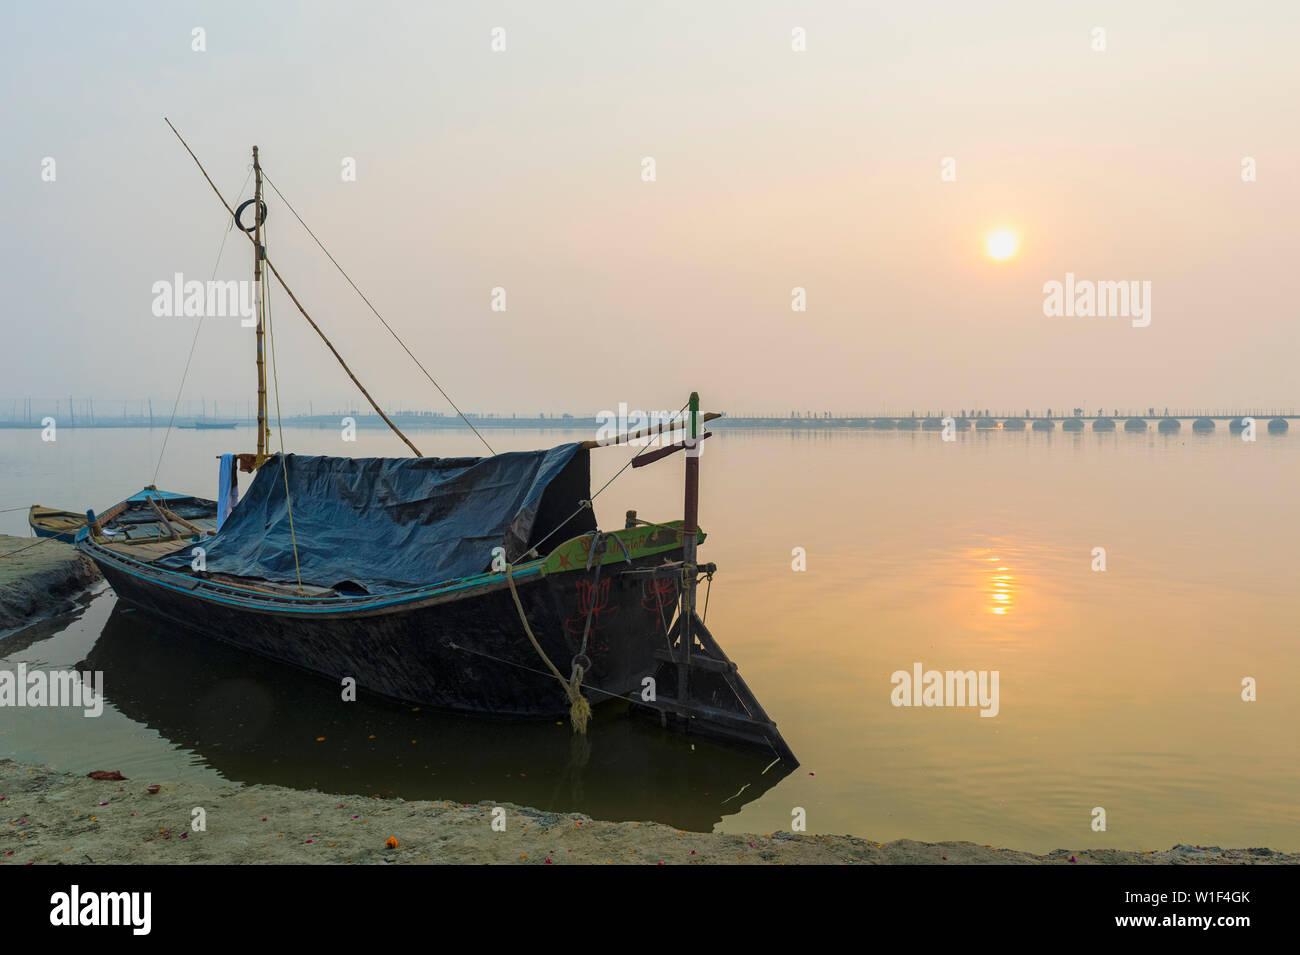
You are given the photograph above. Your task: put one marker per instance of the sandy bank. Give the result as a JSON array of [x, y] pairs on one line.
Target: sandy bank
[[38, 578], [52, 817]]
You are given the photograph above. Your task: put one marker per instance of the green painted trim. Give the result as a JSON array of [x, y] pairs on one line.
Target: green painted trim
[[640, 541]]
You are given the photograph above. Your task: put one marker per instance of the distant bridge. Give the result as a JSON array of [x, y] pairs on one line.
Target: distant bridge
[[1274, 421]]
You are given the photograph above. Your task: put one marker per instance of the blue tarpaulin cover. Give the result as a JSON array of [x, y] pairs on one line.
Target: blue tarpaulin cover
[[385, 524]]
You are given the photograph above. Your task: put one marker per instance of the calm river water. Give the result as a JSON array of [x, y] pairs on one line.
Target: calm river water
[[1119, 689]]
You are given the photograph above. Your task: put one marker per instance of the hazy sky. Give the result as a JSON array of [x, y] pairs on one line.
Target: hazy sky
[[775, 169]]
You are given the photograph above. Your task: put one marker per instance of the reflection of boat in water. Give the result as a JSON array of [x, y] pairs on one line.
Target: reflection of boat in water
[[257, 721], [151, 515]]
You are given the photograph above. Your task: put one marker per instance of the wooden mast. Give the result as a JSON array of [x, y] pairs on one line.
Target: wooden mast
[[690, 525], [259, 252]]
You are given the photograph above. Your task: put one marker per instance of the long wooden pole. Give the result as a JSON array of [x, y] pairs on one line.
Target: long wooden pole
[[664, 428], [271, 265], [259, 250]]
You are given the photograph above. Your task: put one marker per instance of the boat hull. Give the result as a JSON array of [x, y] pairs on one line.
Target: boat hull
[[134, 517], [53, 523], [455, 648]]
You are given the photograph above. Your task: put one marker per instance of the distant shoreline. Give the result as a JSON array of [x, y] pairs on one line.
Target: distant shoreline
[[71, 819], [429, 421]]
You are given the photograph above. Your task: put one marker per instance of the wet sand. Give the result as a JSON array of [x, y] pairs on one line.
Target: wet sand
[[55, 817], [39, 577]]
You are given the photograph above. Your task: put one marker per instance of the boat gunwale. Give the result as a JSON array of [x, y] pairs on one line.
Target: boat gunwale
[[261, 600]]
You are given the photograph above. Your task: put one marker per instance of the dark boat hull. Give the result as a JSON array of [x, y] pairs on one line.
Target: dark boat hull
[[185, 690], [455, 648]]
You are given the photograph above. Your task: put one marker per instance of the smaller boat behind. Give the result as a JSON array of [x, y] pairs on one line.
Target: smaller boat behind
[[148, 517]]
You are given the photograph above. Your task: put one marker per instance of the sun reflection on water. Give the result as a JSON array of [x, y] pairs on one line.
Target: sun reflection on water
[[1000, 586]]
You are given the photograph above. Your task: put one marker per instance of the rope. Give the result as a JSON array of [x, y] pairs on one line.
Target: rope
[[593, 554], [197, 328], [536, 548], [594, 689], [586, 504], [285, 285], [376, 311], [279, 425], [579, 708], [26, 547], [453, 645], [668, 640]]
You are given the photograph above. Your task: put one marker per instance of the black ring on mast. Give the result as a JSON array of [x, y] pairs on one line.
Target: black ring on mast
[[261, 214]]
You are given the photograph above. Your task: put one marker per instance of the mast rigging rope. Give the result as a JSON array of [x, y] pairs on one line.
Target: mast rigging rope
[[376, 311], [588, 503], [293, 298], [194, 342], [279, 424]]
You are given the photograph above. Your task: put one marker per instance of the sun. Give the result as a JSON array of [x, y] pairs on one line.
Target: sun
[[1002, 244]]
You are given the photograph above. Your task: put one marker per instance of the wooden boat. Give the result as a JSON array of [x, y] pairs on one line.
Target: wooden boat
[[52, 522], [473, 584], [147, 516]]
